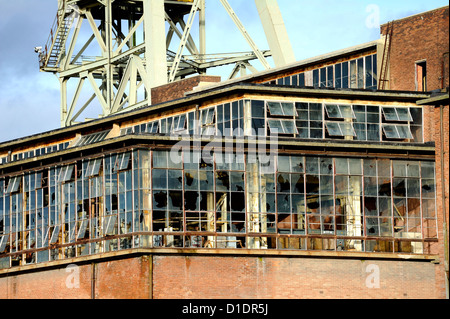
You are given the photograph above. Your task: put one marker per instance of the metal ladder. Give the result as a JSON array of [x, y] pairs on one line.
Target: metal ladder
[[386, 56], [55, 47]]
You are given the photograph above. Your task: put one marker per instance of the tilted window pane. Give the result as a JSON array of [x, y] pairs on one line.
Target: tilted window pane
[[333, 129], [153, 127], [82, 230], [404, 114], [333, 111], [65, 173], [92, 138], [390, 114], [288, 108], [207, 116], [282, 126], [93, 167], [109, 225], [3, 241], [55, 235], [289, 127], [390, 131], [347, 111], [347, 129], [404, 131], [339, 111], [13, 185], [397, 131], [281, 108], [397, 114], [275, 126], [275, 108]]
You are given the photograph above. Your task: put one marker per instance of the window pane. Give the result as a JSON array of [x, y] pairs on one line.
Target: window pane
[[404, 131], [346, 111], [333, 111], [333, 129], [347, 129], [275, 108], [159, 179], [288, 108], [160, 159], [289, 127], [390, 131], [275, 126], [403, 114], [390, 114], [257, 108], [337, 74]]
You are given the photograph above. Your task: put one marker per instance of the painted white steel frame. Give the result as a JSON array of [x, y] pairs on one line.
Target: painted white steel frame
[[124, 70]]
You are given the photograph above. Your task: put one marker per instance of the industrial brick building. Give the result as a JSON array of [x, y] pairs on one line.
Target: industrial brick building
[[302, 181]]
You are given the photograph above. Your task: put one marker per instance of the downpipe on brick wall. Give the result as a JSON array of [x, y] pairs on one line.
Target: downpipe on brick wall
[[441, 119]]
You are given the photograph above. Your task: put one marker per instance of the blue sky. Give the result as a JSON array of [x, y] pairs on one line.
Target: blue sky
[[29, 99]]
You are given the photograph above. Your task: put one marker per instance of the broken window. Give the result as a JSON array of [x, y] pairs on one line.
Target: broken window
[[307, 202], [421, 76], [207, 121]]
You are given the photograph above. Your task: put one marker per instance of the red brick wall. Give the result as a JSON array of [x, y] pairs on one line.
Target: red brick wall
[[46, 284], [235, 277], [419, 37], [442, 187], [123, 278], [299, 278]]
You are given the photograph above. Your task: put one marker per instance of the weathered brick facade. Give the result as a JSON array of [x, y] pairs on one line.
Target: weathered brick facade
[[176, 90], [230, 277], [422, 37]]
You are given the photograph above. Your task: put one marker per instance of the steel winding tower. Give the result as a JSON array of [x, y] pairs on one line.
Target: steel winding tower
[[125, 50]]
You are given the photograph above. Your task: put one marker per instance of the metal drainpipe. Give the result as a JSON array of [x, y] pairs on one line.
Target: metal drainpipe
[[93, 279], [441, 111]]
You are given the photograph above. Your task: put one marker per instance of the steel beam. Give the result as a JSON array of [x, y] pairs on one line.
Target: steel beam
[[155, 43], [140, 58], [244, 32], [275, 31]]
